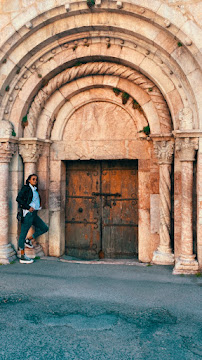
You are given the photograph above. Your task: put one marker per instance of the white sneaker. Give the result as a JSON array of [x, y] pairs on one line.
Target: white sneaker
[[25, 259]]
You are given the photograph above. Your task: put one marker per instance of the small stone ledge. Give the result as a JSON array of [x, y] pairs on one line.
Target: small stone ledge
[[187, 133], [128, 262]]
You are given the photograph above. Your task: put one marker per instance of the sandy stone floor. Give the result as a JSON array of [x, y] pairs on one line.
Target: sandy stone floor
[[61, 310]]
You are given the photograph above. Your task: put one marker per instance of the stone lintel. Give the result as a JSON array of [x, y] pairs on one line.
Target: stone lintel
[[13, 140], [161, 137], [195, 133]]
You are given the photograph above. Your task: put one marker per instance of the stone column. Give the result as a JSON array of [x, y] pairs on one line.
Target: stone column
[[186, 263], [30, 150], [164, 151], [7, 149]]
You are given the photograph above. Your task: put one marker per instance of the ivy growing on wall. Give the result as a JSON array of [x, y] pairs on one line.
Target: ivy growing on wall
[[125, 97], [90, 3], [24, 121], [116, 91], [145, 130]]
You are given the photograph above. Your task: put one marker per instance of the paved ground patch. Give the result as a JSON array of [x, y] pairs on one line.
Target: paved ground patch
[[58, 310]]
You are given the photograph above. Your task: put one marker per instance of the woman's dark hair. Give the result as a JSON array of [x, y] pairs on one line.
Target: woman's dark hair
[[29, 177]]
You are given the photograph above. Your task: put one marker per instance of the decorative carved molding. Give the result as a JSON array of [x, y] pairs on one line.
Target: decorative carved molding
[[185, 117], [30, 151], [164, 151], [7, 149], [165, 207], [187, 148], [6, 128], [97, 68]]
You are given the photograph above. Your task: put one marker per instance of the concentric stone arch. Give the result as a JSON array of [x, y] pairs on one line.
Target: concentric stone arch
[[101, 68], [154, 23]]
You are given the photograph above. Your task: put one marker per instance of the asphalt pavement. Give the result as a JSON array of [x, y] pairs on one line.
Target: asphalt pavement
[[54, 309]]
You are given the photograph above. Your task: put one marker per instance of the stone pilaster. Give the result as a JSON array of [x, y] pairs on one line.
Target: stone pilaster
[[164, 152], [7, 149], [186, 263]]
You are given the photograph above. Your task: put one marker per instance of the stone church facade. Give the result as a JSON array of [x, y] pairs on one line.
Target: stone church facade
[[102, 99]]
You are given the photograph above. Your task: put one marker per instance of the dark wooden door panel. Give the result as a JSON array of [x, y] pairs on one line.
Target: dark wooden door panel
[[82, 212], [119, 216], [102, 209]]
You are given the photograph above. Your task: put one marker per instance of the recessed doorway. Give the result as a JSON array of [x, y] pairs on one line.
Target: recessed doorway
[[102, 209]]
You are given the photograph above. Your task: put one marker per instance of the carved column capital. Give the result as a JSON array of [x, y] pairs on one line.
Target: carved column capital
[[30, 150], [7, 149], [164, 151], [187, 148]]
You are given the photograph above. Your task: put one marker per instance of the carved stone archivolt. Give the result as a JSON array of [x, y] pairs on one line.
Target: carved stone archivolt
[[187, 148], [30, 151], [96, 68]]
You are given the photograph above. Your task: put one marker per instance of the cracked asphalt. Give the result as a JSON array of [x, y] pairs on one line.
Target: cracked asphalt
[[59, 310]]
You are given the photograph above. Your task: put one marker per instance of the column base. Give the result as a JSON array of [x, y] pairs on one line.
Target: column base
[[7, 254], [162, 258], [186, 265], [37, 251]]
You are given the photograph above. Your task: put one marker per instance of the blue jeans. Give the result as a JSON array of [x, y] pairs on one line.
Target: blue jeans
[[31, 219]]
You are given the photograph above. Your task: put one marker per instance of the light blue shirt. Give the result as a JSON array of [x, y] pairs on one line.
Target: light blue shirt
[[35, 203]]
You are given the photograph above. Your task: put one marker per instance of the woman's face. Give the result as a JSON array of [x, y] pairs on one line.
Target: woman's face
[[33, 181]]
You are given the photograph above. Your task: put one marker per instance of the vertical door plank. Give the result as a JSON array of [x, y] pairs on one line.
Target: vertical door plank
[[120, 213], [83, 210]]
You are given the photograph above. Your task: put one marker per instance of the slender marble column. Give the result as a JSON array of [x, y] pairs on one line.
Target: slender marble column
[[186, 263], [7, 149], [164, 151]]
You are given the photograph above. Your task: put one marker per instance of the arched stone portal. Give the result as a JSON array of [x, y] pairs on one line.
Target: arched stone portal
[[117, 81]]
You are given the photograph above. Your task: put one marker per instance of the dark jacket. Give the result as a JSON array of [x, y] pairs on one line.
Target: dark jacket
[[24, 197]]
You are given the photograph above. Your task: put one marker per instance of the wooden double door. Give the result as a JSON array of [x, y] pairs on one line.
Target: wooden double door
[[102, 209]]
